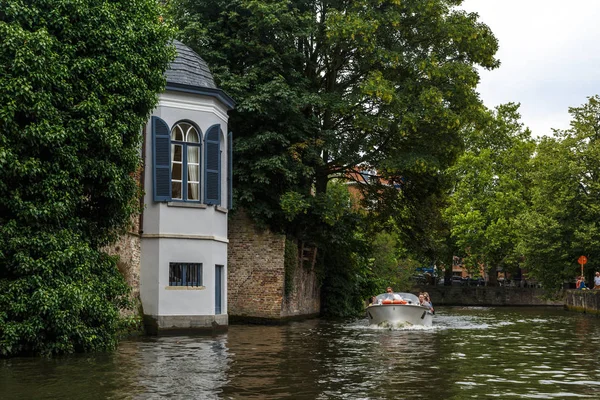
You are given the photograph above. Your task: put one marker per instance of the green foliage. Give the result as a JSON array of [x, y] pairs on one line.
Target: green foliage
[[58, 295], [347, 281], [562, 223], [290, 264], [343, 255], [293, 204], [325, 86], [390, 264], [491, 191], [385, 259], [79, 79]]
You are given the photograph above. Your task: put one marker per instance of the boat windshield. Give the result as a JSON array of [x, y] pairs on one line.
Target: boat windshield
[[409, 297]]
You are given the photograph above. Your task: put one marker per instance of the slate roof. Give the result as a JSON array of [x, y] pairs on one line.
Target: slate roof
[[189, 68]]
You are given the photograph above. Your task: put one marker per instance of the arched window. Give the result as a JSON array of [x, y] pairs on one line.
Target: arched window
[[185, 162]]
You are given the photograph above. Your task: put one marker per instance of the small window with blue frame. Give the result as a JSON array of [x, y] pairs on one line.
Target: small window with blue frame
[[185, 274]]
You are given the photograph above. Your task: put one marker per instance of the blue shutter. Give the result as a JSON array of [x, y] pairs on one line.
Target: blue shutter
[[230, 170], [161, 159], [212, 166]]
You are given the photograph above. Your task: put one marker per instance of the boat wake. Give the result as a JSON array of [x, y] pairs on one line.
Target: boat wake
[[441, 321], [387, 326]]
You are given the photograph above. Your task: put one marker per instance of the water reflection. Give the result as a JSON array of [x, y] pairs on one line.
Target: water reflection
[[181, 366], [468, 353]]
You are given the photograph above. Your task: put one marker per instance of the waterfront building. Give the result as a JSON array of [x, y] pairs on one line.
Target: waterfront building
[[187, 196]]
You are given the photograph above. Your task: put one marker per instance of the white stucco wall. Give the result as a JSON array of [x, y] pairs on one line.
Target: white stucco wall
[[184, 232], [191, 301], [148, 277]]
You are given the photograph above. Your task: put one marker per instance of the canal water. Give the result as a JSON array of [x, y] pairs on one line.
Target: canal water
[[470, 352]]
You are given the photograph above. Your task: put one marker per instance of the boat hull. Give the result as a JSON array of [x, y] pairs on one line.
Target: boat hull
[[399, 314]]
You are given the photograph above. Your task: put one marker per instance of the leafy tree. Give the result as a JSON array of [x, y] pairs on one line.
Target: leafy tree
[[325, 86], [392, 266], [491, 191], [78, 80], [342, 266], [562, 223]]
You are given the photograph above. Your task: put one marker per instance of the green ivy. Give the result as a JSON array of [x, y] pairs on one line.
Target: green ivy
[[290, 265], [78, 80]]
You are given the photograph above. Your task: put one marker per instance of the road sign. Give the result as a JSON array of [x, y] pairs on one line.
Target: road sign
[[582, 260]]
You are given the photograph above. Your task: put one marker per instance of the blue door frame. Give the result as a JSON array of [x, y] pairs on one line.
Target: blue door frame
[[219, 289]]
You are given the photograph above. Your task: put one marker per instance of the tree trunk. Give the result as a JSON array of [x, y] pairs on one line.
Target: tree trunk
[[321, 179], [448, 276], [493, 276]]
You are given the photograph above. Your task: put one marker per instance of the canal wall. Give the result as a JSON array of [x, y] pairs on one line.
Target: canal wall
[[256, 276], [487, 296], [586, 301], [128, 247]]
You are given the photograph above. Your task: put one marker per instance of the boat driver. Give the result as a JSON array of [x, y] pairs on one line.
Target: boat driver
[[391, 295]]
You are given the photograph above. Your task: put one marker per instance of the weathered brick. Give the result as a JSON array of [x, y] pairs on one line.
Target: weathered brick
[[128, 248], [256, 275]]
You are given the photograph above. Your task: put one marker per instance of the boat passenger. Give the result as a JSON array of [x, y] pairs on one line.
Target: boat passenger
[[427, 298], [425, 303]]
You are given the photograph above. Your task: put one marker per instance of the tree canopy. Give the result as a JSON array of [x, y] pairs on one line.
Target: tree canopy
[[78, 81], [491, 191], [326, 87], [562, 222]]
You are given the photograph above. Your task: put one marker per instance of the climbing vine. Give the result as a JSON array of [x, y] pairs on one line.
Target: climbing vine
[[79, 78]]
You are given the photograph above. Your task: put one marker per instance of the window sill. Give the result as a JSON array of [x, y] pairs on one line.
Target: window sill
[[185, 287], [221, 209], [185, 204]]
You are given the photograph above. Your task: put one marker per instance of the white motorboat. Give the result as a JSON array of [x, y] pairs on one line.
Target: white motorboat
[[398, 309]]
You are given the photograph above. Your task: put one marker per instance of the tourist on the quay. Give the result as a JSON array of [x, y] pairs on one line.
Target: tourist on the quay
[[581, 283], [597, 281]]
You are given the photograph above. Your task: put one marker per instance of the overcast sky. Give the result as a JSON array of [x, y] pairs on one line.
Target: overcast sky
[[549, 54]]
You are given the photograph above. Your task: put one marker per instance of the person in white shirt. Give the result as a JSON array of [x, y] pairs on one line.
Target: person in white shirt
[[597, 280]]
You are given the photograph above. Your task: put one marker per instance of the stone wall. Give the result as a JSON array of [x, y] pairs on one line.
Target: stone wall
[[487, 296], [587, 301], [305, 298], [256, 276], [128, 247]]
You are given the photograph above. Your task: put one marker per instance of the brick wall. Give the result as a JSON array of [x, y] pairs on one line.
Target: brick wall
[[256, 275], [305, 298]]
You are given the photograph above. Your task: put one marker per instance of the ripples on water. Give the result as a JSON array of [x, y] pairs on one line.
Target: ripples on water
[[470, 352]]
